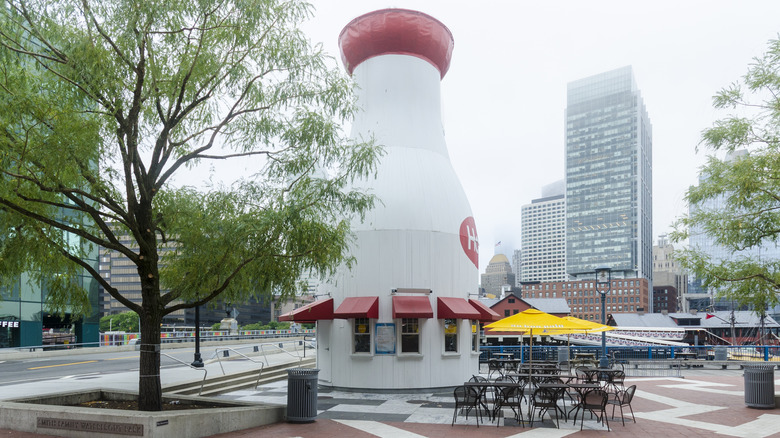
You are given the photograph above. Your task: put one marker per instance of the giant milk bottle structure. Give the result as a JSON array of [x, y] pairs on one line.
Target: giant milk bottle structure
[[403, 318]]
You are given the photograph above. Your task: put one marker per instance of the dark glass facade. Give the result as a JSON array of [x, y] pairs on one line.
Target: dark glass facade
[[24, 321]]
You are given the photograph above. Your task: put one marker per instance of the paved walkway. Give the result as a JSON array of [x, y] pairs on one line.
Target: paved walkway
[[704, 403]]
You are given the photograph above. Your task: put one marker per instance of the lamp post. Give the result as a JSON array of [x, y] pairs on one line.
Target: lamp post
[[198, 362], [603, 285]]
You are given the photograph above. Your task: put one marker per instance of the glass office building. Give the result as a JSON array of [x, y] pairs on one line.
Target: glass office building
[[608, 177], [698, 296], [25, 321]]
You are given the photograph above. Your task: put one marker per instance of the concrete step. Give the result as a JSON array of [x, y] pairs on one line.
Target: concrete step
[[221, 384]]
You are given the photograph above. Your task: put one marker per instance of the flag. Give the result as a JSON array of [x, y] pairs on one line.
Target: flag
[[709, 315]]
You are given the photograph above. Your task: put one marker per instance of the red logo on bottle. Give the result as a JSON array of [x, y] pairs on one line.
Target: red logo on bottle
[[469, 240]]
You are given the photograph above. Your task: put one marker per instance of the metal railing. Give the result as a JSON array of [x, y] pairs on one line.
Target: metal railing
[[113, 338], [205, 373], [757, 353], [262, 349], [234, 350]]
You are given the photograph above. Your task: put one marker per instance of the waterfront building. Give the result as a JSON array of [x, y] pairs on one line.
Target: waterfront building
[[626, 295]]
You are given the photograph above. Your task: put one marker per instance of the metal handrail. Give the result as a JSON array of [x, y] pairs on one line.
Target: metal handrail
[[276, 345], [205, 372], [262, 365]]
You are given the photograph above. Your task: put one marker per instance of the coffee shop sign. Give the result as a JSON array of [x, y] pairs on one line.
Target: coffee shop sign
[[12, 324]]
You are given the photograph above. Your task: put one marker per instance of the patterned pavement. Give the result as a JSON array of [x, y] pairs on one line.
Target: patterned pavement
[[706, 403]]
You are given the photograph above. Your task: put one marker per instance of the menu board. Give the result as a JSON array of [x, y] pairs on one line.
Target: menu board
[[385, 338]]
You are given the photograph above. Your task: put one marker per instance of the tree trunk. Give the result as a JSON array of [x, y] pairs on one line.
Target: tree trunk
[[149, 385]]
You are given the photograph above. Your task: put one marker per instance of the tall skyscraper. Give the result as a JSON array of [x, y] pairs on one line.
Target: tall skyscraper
[[608, 177], [543, 253]]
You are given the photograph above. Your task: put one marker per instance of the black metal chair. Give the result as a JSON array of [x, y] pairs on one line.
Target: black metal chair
[[615, 380], [466, 398], [484, 392], [511, 397], [594, 401], [545, 399], [624, 399], [494, 366]]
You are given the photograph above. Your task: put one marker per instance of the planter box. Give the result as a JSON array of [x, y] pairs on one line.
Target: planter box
[[53, 415]]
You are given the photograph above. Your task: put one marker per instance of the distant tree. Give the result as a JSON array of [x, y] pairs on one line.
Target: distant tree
[[747, 189], [254, 326], [103, 103], [216, 326], [124, 322]]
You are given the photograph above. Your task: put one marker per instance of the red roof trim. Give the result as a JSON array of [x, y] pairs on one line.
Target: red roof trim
[[396, 31], [458, 308], [487, 313], [312, 312], [412, 307], [358, 307]]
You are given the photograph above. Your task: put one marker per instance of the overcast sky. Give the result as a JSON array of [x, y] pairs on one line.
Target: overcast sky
[[504, 97]]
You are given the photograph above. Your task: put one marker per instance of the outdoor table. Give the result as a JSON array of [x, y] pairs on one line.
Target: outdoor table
[[590, 373], [560, 391], [605, 374], [528, 376], [684, 355], [503, 355], [510, 364]]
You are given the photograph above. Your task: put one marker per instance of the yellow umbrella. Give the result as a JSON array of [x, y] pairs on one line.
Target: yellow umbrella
[[535, 320]]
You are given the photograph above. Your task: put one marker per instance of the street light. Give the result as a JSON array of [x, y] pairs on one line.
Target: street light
[[198, 362], [603, 285]]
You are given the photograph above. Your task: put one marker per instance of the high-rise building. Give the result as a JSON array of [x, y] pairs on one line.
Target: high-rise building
[[670, 283], [543, 253], [122, 273], [498, 276], [608, 177], [517, 265]]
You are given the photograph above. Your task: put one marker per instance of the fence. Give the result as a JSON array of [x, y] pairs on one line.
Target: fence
[[652, 361], [120, 338], [708, 352]]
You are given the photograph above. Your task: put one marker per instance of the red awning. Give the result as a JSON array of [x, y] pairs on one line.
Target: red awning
[[457, 308], [412, 307], [358, 307], [312, 312], [487, 313]]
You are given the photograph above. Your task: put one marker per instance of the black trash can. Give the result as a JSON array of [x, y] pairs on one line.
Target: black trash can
[[760, 386], [302, 395]]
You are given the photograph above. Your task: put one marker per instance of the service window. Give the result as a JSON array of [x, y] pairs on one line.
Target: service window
[[410, 335], [450, 335], [361, 336]]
